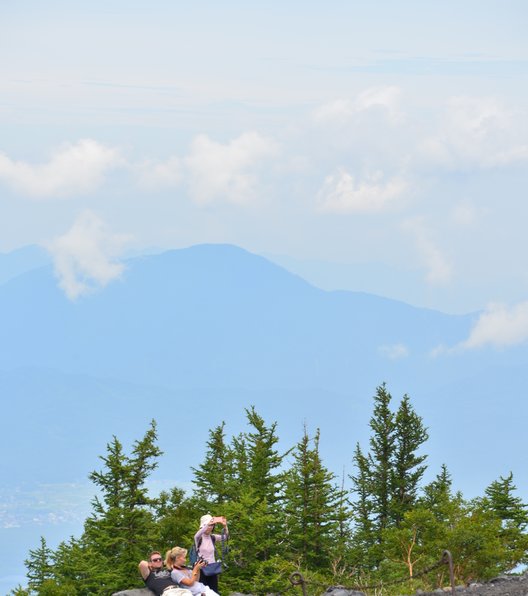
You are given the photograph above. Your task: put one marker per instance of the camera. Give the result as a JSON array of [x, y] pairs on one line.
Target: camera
[[201, 560]]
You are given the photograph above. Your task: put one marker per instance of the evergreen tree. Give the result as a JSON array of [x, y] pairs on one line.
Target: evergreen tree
[[176, 518], [388, 477], [241, 460], [438, 498], [500, 499], [362, 512], [408, 470], [73, 568], [39, 565], [251, 542], [215, 477], [262, 459], [257, 463], [121, 527], [313, 506], [381, 460]]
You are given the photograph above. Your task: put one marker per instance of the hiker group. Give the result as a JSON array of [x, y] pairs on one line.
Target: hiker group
[[173, 577]]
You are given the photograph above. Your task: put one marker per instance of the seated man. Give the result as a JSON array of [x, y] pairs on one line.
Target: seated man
[[158, 579]]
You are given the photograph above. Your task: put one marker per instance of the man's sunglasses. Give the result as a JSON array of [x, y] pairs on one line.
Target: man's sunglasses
[[156, 559]]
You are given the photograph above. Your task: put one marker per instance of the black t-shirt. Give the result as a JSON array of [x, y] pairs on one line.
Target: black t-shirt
[[158, 580]]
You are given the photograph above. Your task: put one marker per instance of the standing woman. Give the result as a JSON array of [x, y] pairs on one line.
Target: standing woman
[[205, 545]]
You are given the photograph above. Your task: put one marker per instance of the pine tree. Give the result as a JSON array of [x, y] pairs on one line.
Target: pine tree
[[313, 506], [73, 567], [388, 477], [410, 434], [256, 483], [500, 499], [262, 459], [215, 477], [120, 528], [176, 518], [362, 512], [438, 498], [381, 460], [39, 565]]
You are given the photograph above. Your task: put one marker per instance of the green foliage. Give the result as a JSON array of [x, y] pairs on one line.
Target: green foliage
[[501, 501], [251, 539], [416, 543], [262, 460], [381, 460], [313, 508], [288, 514], [408, 470], [39, 565], [269, 576], [437, 496], [19, 591], [387, 480], [215, 478], [476, 546], [176, 517], [121, 527], [363, 550], [508, 507]]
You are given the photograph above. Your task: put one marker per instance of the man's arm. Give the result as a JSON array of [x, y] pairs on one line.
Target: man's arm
[[144, 569]]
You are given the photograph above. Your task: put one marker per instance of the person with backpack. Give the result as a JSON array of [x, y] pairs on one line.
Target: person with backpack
[[205, 541]]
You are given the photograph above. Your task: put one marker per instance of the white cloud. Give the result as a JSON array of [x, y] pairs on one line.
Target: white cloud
[[343, 193], [394, 352], [159, 175], [478, 132], [438, 268], [85, 256], [342, 110], [74, 169], [229, 171], [499, 326]]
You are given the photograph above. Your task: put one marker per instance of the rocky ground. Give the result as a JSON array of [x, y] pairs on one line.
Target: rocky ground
[[507, 585]]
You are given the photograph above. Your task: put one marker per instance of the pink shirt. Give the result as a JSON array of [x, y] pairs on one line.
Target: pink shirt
[[207, 548]]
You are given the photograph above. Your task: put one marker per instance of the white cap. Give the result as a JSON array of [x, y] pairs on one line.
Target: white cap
[[205, 520]]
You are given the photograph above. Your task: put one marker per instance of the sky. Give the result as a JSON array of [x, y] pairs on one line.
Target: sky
[[375, 146]]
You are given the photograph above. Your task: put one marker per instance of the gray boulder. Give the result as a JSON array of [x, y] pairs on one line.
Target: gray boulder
[[340, 591]]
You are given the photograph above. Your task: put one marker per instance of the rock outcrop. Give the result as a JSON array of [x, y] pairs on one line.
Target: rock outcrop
[[505, 585]]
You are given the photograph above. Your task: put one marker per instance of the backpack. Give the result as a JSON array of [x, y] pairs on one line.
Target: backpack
[[194, 551]]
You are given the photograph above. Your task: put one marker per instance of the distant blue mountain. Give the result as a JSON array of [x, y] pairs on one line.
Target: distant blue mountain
[[193, 336], [216, 314]]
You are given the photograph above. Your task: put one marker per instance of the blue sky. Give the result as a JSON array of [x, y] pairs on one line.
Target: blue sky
[[375, 146]]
